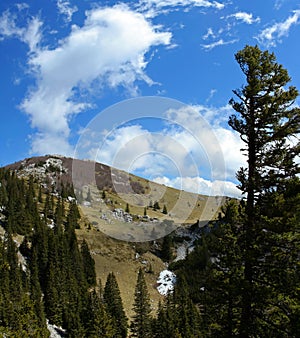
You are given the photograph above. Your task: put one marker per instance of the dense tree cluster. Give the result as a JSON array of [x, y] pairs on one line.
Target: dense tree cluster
[[57, 280]]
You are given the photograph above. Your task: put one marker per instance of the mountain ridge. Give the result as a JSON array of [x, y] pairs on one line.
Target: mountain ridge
[[111, 251]]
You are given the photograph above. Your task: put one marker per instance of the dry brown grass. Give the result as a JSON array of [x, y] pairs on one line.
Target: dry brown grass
[[119, 257]]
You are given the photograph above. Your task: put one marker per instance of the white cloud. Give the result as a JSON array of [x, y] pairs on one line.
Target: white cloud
[[220, 42], [212, 92], [220, 145], [109, 49], [31, 34], [135, 149], [192, 141], [209, 34], [271, 35], [245, 17], [65, 8], [155, 7]]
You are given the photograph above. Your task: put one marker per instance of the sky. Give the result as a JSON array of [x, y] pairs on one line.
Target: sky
[[140, 85]]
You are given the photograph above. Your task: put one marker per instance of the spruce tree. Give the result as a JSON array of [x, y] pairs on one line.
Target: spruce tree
[[141, 323], [99, 323], [114, 306], [268, 122], [88, 264]]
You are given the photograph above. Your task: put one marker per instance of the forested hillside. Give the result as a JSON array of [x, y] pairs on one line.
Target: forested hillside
[[241, 278]]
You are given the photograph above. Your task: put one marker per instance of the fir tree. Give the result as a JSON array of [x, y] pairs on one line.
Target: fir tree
[[99, 324], [88, 264], [141, 323], [114, 306]]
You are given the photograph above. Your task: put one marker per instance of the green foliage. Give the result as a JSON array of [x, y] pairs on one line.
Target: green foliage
[[141, 323], [114, 306], [88, 264], [166, 249], [266, 121], [56, 282], [99, 324], [244, 273]]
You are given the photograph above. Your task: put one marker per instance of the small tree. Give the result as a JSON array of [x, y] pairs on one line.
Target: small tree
[[141, 324], [156, 206], [89, 195], [88, 264], [166, 249], [165, 211], [114, 306]]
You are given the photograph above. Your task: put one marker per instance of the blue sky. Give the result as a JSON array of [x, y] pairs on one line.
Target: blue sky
[[65, 63]]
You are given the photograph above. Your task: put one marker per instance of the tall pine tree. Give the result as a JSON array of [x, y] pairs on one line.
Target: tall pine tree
[[267, 122]]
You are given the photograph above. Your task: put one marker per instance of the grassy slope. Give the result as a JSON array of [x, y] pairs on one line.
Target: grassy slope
[[111, 255]]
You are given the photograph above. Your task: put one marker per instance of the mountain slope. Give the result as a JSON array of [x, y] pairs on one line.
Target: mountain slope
[[120, 241]]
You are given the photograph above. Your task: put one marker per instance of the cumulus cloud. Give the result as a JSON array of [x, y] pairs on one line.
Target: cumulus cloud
[[194, 145], [272, 35], [245, 17], [109, 49], [136, 149], [65, 8]]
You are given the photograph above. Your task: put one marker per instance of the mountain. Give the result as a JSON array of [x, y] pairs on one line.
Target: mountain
[[96, 184], [123, 217]]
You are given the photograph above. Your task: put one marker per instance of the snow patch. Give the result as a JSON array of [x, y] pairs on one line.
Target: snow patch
[[166, 281], [55, 331]]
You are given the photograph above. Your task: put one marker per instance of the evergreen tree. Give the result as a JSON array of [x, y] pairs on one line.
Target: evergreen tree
[[114, 306], [166, 249], [99, 324], [156, 206], [141, 323], [165, 211], [35, 290], [88, 264], [266, 119]]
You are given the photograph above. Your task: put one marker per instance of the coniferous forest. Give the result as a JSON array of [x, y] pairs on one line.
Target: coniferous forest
[[242, 278]]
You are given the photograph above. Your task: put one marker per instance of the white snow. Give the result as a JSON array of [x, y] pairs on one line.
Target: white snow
[[55, 331], [166, 281]]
